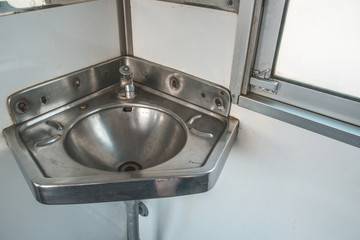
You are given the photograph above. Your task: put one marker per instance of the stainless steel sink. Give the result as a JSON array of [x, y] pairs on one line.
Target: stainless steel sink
[[125, 138], [76, 141]]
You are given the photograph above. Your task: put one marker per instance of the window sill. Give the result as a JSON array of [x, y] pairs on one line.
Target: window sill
[[314, 122]]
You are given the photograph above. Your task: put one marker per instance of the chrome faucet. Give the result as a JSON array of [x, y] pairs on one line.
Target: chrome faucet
[[126, 88]]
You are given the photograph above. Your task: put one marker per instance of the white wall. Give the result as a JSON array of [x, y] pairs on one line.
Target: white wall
[[185, 37], [280, 181]]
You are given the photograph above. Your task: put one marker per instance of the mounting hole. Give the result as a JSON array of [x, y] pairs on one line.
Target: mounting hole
[[127, 109], [44, 99], [218, 102], [146, 74], [174, 83], [230, 2], [203, 95], [222, 93]]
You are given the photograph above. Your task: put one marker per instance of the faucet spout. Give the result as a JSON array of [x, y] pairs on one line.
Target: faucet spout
[[126, 86]]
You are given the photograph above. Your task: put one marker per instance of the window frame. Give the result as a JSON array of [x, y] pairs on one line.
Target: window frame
[[305, 106]]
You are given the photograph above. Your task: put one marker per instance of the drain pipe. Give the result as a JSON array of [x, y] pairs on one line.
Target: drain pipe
[[133, 210], [132, 214]]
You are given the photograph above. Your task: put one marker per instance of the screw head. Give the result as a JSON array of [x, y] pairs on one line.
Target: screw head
[[22, 107], [76, 82], [174, 83], [125, 72]]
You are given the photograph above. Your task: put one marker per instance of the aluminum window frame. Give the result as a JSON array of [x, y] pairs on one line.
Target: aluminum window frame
[[320, 111]]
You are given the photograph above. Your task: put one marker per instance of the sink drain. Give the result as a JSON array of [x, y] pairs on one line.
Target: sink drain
[[129, 167]]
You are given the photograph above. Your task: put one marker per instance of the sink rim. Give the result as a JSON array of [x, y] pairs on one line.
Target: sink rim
[[52, 190], [122, 105]]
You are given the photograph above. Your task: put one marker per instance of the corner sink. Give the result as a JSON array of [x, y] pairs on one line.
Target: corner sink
[[84, 144], [125, 139]]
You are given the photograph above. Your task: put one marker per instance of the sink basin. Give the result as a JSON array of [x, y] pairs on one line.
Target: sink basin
[[84, 144], [125, 138]]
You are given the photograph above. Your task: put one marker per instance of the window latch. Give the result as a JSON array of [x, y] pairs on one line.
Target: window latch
[[261, 81]]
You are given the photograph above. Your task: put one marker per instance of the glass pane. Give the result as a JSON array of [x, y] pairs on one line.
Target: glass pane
[[320, 45], [26, 3]]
